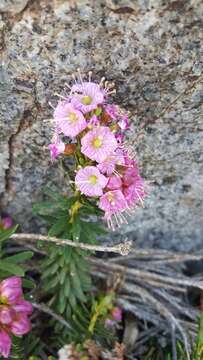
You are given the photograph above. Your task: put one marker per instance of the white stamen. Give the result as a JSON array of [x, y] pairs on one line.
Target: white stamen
[[90, 75], [81, 79], [68, 86], [124, 218], [52, 106], [117, 173], [61, 96], [101, 81], [139, 197], [117, 220]]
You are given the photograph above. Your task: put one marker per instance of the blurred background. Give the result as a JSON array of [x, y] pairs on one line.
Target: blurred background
[[151, 49]]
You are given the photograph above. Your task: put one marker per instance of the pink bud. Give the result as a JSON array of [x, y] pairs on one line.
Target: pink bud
[[11, 289], [5, 344], [119, 138], [21, 326], [117, 314], [7, 222]]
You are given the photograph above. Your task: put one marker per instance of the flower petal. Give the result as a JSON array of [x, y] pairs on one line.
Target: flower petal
[[21, 326], [11, 289], [5, 344]]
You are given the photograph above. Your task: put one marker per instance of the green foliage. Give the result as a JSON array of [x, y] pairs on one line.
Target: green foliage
[[34, 348], [11, 265], [65, 275], [29, 347], [66, 272], [199, 347], [17, 350], [100, 309], [80, 321]]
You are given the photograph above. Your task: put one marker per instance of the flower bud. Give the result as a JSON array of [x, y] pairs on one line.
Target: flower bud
[[70, 149], [116, 314], [6, 223], [105, 118]]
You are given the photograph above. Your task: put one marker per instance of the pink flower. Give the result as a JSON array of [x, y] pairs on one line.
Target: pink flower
[[90, 181], [56, 148], [112, 202], [130, 176], [86, 96], [7, 222], [135, 192], [11, 289], [98, 144], [116, 314], [133, 183], [114, 182], [118, 114], [109, 164], [13, 313], [5, 344], [21, 326], [69, 120]]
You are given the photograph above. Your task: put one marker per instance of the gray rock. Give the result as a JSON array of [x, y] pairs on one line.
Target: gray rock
[[152, 50], [13, 6]]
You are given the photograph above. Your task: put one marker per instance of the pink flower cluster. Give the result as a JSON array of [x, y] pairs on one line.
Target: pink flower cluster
[[14, 311], [98, 128]]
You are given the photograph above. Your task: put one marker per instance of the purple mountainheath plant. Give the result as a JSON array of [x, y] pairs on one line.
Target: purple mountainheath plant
[[89, 137]]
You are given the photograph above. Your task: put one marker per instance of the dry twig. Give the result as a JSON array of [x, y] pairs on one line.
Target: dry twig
[[122, 249]]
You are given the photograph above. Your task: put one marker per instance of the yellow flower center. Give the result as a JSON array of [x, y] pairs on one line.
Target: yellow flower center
[[3, 300], [97, 143], [86, 100], [93, 179], [72, 117]]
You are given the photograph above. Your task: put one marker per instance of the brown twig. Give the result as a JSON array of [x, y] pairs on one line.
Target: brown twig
[[122, 249]]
